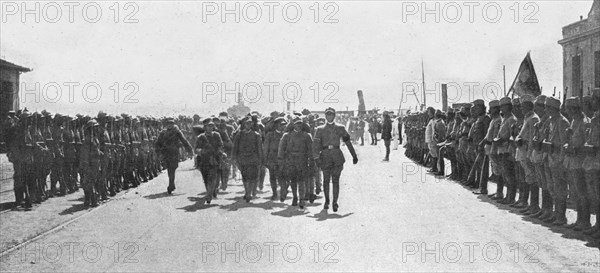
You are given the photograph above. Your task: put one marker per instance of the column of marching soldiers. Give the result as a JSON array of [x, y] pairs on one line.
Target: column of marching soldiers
[[106, 154], [535, 146]]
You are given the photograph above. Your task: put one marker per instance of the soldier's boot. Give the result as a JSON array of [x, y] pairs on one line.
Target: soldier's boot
[[86, 198], [93, 198], [561, 215], [523, 196], [510, 195], [547, 207], [578, 211], [534, 207], [336, 194], [295, 194], [274, 190], [499, 195], [18, 196], [552, 213], [585, 219], [326, 192]]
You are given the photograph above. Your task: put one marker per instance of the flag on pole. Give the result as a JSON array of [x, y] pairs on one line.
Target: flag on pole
[[526, 81]]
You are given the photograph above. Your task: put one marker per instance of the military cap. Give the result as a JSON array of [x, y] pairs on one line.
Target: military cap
[[57, 116], [134, 120], [330, 110], [91, 123], [101, 114], [214, 119], [505, 101], [25, 114], [79, 115], [46, 113], [118, 118], [305, 112], [573, 102], [274, 114], [587, 99], [494, 103], [169, 120], [223, 114], [450, 110], [246, 118], [297, 120], [479, 102], [208, 121], [526, 98], [552, 102], [297, 114], [516, 102], [280, 120], [541, 99]]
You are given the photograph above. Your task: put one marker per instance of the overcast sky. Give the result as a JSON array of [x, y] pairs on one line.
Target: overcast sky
[[174, 59]]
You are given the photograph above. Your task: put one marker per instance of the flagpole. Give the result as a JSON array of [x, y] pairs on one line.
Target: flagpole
[[504, 75], [423, 76]]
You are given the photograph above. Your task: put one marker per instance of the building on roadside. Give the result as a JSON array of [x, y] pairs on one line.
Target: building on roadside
[[581, 54], [9, 86]]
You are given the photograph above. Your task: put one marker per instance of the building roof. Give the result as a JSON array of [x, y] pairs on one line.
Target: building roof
[[8, 65]]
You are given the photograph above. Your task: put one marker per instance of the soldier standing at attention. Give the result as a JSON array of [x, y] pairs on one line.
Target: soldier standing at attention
[[386, 134], [557, 137], [294, 154], [538, 157], [490, 153], [573, 162], [524, 149], [89, 163], [591, 163], [326, 151], [209, 148], [167, 147], [247, 153], [501, 143], [270, 150], [476, 135]]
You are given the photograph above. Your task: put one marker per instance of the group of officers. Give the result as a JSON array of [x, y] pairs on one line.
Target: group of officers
[[101, 155], [532, 145], [301, 152], [106, 154]]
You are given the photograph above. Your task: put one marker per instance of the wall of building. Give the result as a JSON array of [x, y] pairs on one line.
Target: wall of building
[[9, 101], [584, 48]]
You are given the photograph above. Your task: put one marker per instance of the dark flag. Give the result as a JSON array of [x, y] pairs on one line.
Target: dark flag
[[526, 81]]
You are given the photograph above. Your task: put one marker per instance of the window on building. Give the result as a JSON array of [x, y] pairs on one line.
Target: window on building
[[6, 97], [597, 69], [576, 83]]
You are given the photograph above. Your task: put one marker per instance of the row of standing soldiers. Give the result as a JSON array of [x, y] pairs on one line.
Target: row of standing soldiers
[[102, 156], [545, 152]]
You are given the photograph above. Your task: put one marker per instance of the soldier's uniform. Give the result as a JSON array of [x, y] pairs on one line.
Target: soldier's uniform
[[522, 187], [490, 153], [294, 153], [209, 147], [167, 146], [523, 156], [539, 158], [573, 162], [504, 153], [226, 132], [591, 165], [476, 135], [555, 171], [247, 153], [90, 163], [270, 151], [58, 158], [326, 151], [463, 136]]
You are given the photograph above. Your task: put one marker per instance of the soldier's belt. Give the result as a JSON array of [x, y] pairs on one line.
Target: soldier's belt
[[330, 147], [590, 151]]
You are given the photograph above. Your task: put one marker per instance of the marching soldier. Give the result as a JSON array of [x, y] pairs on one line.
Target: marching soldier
[[209, 148], [247, 154], [294, 154], [167, 146], [270, 151], [327, 154], [225, 131]]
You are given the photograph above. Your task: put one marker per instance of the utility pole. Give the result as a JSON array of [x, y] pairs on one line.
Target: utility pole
[[423, 76], [504, 76]]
